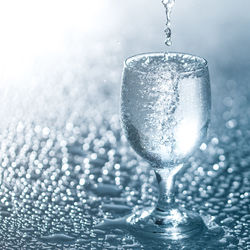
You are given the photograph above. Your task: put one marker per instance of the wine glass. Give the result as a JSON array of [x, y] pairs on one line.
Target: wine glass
[[165, 112]]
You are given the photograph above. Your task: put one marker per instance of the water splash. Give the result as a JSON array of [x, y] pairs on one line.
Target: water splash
[[168, 4]]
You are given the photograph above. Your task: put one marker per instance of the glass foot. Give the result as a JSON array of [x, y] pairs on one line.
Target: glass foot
[[173, 224]]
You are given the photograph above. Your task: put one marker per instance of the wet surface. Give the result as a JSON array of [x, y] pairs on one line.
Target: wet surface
[[58, 182], [65, 165]]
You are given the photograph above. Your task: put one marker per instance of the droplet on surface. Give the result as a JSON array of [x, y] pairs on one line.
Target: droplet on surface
[[58, 238]]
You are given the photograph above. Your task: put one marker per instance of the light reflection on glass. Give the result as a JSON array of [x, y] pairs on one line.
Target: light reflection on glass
[[187, 135]]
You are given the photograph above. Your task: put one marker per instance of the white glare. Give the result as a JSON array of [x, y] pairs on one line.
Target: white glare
[[32, 29], [176, 215], [187, 134]]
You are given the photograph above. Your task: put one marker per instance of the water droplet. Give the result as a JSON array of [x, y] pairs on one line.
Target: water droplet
[[58, 238]]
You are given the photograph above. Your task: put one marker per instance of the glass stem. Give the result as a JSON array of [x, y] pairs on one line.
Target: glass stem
[[166, 181]]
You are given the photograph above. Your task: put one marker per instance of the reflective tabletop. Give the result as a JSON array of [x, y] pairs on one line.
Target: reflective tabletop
[[65, 165]]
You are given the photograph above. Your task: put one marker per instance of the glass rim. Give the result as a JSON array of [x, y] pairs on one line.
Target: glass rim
[[204, 63]]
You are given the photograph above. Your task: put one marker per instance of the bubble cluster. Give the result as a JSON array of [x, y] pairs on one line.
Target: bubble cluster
[[166, 62], [163, 96]]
